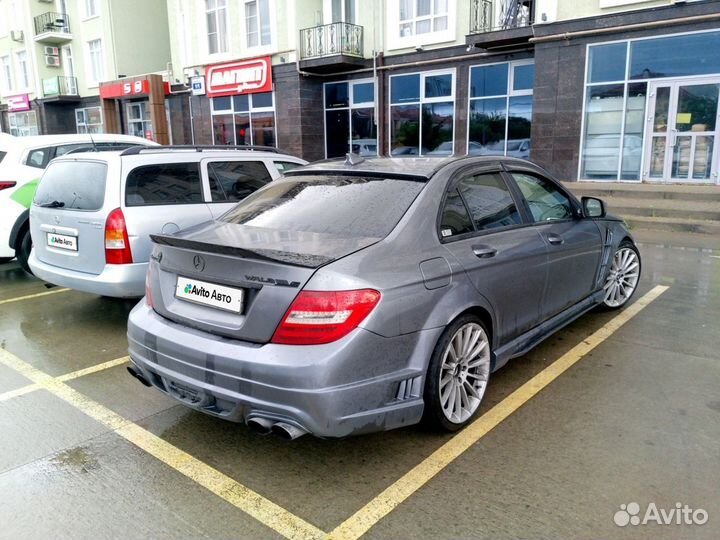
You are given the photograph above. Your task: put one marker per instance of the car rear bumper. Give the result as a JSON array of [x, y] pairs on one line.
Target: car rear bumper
[[119, 280], [360, 384]]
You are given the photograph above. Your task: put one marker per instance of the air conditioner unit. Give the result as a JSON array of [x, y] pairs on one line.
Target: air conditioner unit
[[53, 61], [17, 35], [51, 51]]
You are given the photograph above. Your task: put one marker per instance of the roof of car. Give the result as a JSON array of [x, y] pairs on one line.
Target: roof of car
[[424, 167], [49, 140], [160, 151]]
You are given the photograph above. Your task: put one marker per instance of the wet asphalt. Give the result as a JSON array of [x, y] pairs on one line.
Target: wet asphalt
[[636, 420]]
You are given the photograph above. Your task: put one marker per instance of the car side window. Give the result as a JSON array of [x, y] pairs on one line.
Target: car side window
[[63, 149], [455, 218], [168, 183], [489, 201], [38, 158], [235, 180], [545, 200], [284, 166]]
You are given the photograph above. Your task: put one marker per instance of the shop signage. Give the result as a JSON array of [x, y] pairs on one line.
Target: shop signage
[[242, 77], [125, 89], [197, 85], [18, 103]]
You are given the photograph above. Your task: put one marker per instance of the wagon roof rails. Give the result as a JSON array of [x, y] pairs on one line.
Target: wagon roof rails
[[196, 148]]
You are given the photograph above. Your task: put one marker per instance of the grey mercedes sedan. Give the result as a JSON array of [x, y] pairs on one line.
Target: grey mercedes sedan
[[366, 295]]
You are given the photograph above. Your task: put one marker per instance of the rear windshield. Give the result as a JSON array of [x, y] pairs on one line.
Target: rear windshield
[[346, 206], [77, 185]]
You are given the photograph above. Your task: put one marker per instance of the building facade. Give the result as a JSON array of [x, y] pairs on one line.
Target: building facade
[[591, 89], [56, 57]]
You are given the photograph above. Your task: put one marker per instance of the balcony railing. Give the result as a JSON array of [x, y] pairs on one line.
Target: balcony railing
[[60, 86], [52, 22], [331, 39], [491, 15]]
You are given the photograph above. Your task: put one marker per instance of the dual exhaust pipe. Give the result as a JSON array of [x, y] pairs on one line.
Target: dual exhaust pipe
[[265, 426]]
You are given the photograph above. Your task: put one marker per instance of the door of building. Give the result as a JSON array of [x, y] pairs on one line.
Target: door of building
[[138, 119], [682, 133]]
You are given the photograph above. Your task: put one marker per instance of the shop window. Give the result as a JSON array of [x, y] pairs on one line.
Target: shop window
[[350, 119], [244, 120], [139, 123], [217, 21], [89, 120], [23, 123], [169, 183], [257, 23], [500, 117], [607, 63], [235, 180], [421, 113], [675, 56]]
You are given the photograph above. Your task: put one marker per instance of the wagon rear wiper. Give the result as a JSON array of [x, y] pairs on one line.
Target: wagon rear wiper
[[53, 204]]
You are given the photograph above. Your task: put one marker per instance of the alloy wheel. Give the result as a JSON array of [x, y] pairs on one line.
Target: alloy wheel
[[623, 277], [464, 373]]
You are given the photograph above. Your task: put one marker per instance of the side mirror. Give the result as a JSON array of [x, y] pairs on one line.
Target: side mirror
[[593, 208]]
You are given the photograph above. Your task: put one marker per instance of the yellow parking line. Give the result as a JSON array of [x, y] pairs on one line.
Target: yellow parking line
[[67, 377], [240, 496], [36, 295], [365, 518]]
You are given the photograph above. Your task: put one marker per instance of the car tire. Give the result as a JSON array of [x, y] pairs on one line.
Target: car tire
[[623, 276], [458, 374], [23, 250]]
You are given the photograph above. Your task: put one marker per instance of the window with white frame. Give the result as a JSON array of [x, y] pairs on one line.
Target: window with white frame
[[421, 113], [6, 79], [423, 16], [23, 124], [3, 19], [91, 9], [96, 72], [500, 115], [89, 120], [244, 119], [257, 23], [23, 73], [217, 21], [350, 118]]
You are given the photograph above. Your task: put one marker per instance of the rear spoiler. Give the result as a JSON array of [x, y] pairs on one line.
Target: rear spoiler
[[271, 255]]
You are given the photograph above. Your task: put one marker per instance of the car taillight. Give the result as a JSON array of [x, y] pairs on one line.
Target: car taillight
[[317, 317], [5, 185], [117, 245]]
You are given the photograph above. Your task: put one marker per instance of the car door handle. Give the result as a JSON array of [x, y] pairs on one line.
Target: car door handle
[[484, 252], [555, 239]]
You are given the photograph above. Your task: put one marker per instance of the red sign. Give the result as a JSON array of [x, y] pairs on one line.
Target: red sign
[[125, 89], [242, 77], [18, 103]]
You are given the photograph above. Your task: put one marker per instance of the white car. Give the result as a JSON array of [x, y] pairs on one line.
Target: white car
[[22, 161]]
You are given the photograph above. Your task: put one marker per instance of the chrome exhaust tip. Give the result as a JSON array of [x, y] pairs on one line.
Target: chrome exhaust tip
[[287, 431], [260, 425]]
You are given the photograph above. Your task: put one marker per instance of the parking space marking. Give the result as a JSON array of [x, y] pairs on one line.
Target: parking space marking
[[64, 378], [369, 515], [255, 505], [27, 297]]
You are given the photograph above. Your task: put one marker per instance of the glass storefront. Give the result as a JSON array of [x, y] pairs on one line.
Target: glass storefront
[[350, 118], [138, 119], [89, 120], [421, 113], [500, 115], [650, 109], [246, 119], [23, 124]]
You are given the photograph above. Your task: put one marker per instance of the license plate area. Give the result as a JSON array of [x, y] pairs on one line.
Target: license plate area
[[62, 241], [210, 294]]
